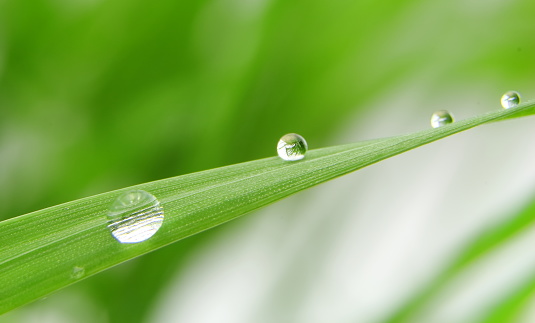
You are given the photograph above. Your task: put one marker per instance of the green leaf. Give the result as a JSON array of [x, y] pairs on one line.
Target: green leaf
[[511, 307], [482, 245], [46, 250]]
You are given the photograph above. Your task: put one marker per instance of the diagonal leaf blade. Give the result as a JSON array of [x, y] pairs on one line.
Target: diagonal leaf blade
[[46, 250]]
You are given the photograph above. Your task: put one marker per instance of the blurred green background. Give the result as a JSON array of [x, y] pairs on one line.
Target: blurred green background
[[97, 95]]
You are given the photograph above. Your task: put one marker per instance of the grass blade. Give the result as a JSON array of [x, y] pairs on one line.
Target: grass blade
[[481, 246], [46, 250]]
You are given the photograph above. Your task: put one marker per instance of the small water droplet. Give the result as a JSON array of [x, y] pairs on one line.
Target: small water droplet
[[135, 216], [77, 272], [292, 147], [510, 99], [441, 118]]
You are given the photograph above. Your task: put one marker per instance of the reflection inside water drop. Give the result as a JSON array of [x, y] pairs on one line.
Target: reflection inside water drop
[[292, 147], [135, 216], [510, 99], [441, 118]]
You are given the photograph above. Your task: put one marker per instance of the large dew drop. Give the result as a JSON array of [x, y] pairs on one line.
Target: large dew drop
[[441, 118], [510, 99], [292, 147], [135, 216]]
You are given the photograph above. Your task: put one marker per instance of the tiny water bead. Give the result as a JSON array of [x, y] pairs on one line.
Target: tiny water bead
[[77, 272], [292, 147], [135, 216], [510, 99], [441, 118]]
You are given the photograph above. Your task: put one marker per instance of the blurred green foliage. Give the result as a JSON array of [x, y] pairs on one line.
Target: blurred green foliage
[[97, 95]]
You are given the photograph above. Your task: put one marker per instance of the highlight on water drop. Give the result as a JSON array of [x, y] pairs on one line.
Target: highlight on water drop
[[135, 216], [292, 147], [510, 99], [441, 118]]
